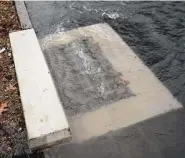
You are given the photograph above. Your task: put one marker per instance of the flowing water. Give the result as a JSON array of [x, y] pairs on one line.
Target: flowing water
[[154, 30]]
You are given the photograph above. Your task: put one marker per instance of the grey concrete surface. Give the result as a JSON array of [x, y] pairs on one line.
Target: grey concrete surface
[[90, 66], [155, 31]]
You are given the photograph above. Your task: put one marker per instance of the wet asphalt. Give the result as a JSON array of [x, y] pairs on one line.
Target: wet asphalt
[[155, 31]]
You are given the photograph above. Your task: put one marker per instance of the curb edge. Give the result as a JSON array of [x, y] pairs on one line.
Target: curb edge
[[23, 15]]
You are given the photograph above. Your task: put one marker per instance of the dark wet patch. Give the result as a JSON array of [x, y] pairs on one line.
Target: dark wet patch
[[87, 79]]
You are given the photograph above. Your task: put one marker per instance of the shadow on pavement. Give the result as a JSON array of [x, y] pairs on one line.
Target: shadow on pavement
[[34, 155], [161, 137]]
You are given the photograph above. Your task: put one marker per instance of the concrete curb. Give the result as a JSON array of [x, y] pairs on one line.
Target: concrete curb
[[44, 114], [23, 15], [46, 125]]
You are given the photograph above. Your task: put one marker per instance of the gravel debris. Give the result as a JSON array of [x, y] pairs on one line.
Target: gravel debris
[[13, 136]]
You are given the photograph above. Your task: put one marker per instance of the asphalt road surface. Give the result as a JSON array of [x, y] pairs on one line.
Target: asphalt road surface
[[155, 31]]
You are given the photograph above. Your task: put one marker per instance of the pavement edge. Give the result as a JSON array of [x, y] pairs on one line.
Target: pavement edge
[[50, 140], [23, 15]]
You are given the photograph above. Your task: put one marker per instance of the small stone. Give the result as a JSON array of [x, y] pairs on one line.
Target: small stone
[[8, 142], [9, 54], [12, 66], [2, 50], [9, 149]]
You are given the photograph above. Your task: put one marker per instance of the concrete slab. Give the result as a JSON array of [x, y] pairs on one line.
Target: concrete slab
[[150, 98], [44, 115]]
